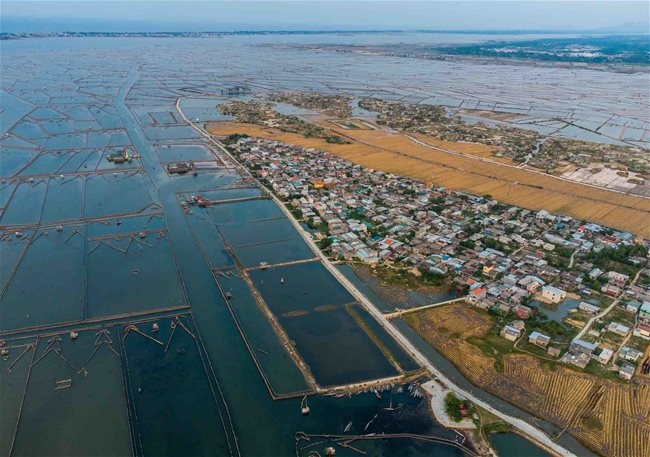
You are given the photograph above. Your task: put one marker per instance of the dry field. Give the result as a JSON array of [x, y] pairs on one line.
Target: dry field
[[472, 149], [611, 418], [515, 186]]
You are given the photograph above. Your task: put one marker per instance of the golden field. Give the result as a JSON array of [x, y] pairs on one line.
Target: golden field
[[611, 418], [467, 168]]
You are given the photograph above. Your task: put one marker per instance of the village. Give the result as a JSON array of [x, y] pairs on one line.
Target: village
[[564, 290], [520, 145]]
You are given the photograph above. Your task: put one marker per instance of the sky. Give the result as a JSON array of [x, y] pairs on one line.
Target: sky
[[138, 15]]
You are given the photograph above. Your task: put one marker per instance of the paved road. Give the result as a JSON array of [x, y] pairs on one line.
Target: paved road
[[573, 257], [422, 308], [532, 432]]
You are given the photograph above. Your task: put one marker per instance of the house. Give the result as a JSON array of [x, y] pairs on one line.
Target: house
[[630, 354], [644, 311], [553, 351], [605, 356], [488, 268], [581, 347], [504, 308], [643, 330], [588, 308], [518, 324], [633, 307], [522, 311], [626, 371], [509, 332], [553, 294], [532, 287], [477, 294], [595, 273], [618, 279], [539, 339], [611, 290], [619, 329], [578, 359]]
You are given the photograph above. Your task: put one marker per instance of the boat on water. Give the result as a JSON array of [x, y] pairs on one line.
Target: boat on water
[[390, 406], [304, 408]]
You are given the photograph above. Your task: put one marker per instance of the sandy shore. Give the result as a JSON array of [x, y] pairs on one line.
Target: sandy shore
[[438, 394]]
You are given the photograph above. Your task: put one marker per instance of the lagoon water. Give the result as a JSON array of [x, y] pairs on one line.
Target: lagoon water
[[127, 256]]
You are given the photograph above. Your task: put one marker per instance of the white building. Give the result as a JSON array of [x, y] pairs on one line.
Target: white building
[[553, 294], [626, 371], [588, 308], [605, 356]]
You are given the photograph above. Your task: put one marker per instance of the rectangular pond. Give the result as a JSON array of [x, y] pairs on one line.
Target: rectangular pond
[[55, 259], [311, 306], [170, 392]]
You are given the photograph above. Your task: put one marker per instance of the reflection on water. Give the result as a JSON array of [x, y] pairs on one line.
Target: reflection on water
[[92, 246]]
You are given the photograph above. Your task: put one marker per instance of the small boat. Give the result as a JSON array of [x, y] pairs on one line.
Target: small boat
[[282, 280], [74, 335], [228, 295], [155, 327], [347, 427], [304, 409], [390, 406]]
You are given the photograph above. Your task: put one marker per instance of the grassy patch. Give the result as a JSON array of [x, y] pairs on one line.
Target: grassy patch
[[621, 316], [487, 417], [402, 277], [598, 369], [497, 427], [493, 346], [638, 343], [547, 365]]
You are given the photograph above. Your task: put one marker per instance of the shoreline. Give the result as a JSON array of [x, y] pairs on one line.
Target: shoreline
[[437, 403], [532, 432]]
